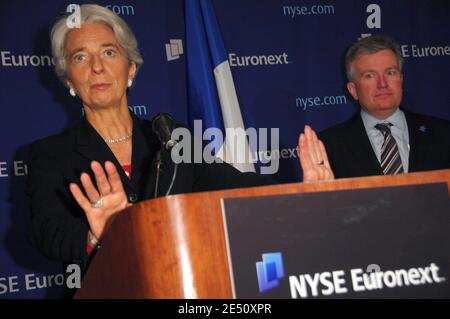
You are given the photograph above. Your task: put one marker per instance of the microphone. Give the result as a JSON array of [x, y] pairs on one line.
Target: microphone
[[162, 126]]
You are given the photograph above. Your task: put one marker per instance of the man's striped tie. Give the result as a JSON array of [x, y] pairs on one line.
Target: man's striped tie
[[391, 163]]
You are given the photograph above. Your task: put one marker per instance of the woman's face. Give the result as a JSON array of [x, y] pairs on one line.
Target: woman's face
[[97, 66]]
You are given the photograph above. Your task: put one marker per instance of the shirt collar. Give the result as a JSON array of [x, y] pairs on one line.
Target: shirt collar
[[396, 119]]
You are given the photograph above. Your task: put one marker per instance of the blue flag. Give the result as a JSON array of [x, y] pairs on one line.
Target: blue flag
[[211, 93]]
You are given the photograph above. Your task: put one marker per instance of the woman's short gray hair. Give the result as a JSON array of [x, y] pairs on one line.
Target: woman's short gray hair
[[371, 44], [90, 13]]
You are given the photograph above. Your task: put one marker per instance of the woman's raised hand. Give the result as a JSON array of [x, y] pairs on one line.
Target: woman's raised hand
[[103, 200]]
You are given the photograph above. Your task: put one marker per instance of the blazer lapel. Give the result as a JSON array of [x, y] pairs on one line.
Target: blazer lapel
[[91, 145], [417, 142], [362, 152], [144, 148]]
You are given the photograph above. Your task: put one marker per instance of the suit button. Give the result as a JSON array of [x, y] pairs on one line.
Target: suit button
[[133, 198]]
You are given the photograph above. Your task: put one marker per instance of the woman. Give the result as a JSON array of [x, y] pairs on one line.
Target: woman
[[98, 63]]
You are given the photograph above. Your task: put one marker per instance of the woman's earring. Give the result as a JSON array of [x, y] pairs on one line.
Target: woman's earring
[[130, 82], [72, 92]]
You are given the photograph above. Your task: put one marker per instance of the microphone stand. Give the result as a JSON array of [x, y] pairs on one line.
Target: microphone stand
[[158, 163], [174, 176], [158, 170]]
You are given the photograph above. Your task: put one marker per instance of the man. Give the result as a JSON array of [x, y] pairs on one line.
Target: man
[[383, 138]]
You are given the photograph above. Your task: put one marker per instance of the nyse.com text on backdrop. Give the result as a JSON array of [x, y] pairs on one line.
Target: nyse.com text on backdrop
[[239, 146]]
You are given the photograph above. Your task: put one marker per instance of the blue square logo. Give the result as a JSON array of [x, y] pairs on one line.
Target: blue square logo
[[269, 271]]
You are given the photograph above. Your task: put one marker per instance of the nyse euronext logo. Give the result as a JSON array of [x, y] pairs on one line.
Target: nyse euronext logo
[[340, 281], [269, 271], [174, 49], [257, 60]]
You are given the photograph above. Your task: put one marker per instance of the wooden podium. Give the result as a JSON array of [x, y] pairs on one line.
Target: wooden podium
[[175, 246]]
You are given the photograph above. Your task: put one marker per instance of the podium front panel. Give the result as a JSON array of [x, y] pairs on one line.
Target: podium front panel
[[388, 242]]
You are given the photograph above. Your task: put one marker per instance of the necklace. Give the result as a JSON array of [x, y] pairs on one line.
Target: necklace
[[117, 140]]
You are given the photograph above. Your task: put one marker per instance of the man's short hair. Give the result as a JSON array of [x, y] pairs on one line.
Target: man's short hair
[[368, 45]]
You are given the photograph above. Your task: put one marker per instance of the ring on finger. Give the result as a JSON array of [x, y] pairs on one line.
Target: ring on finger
[[320, 162], [98, 203]]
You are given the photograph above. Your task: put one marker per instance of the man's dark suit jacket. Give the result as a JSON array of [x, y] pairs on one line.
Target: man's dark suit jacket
[[351, 154], [58, 225]]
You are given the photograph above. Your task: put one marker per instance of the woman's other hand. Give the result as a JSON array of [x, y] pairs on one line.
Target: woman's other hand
[[313, 157]]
